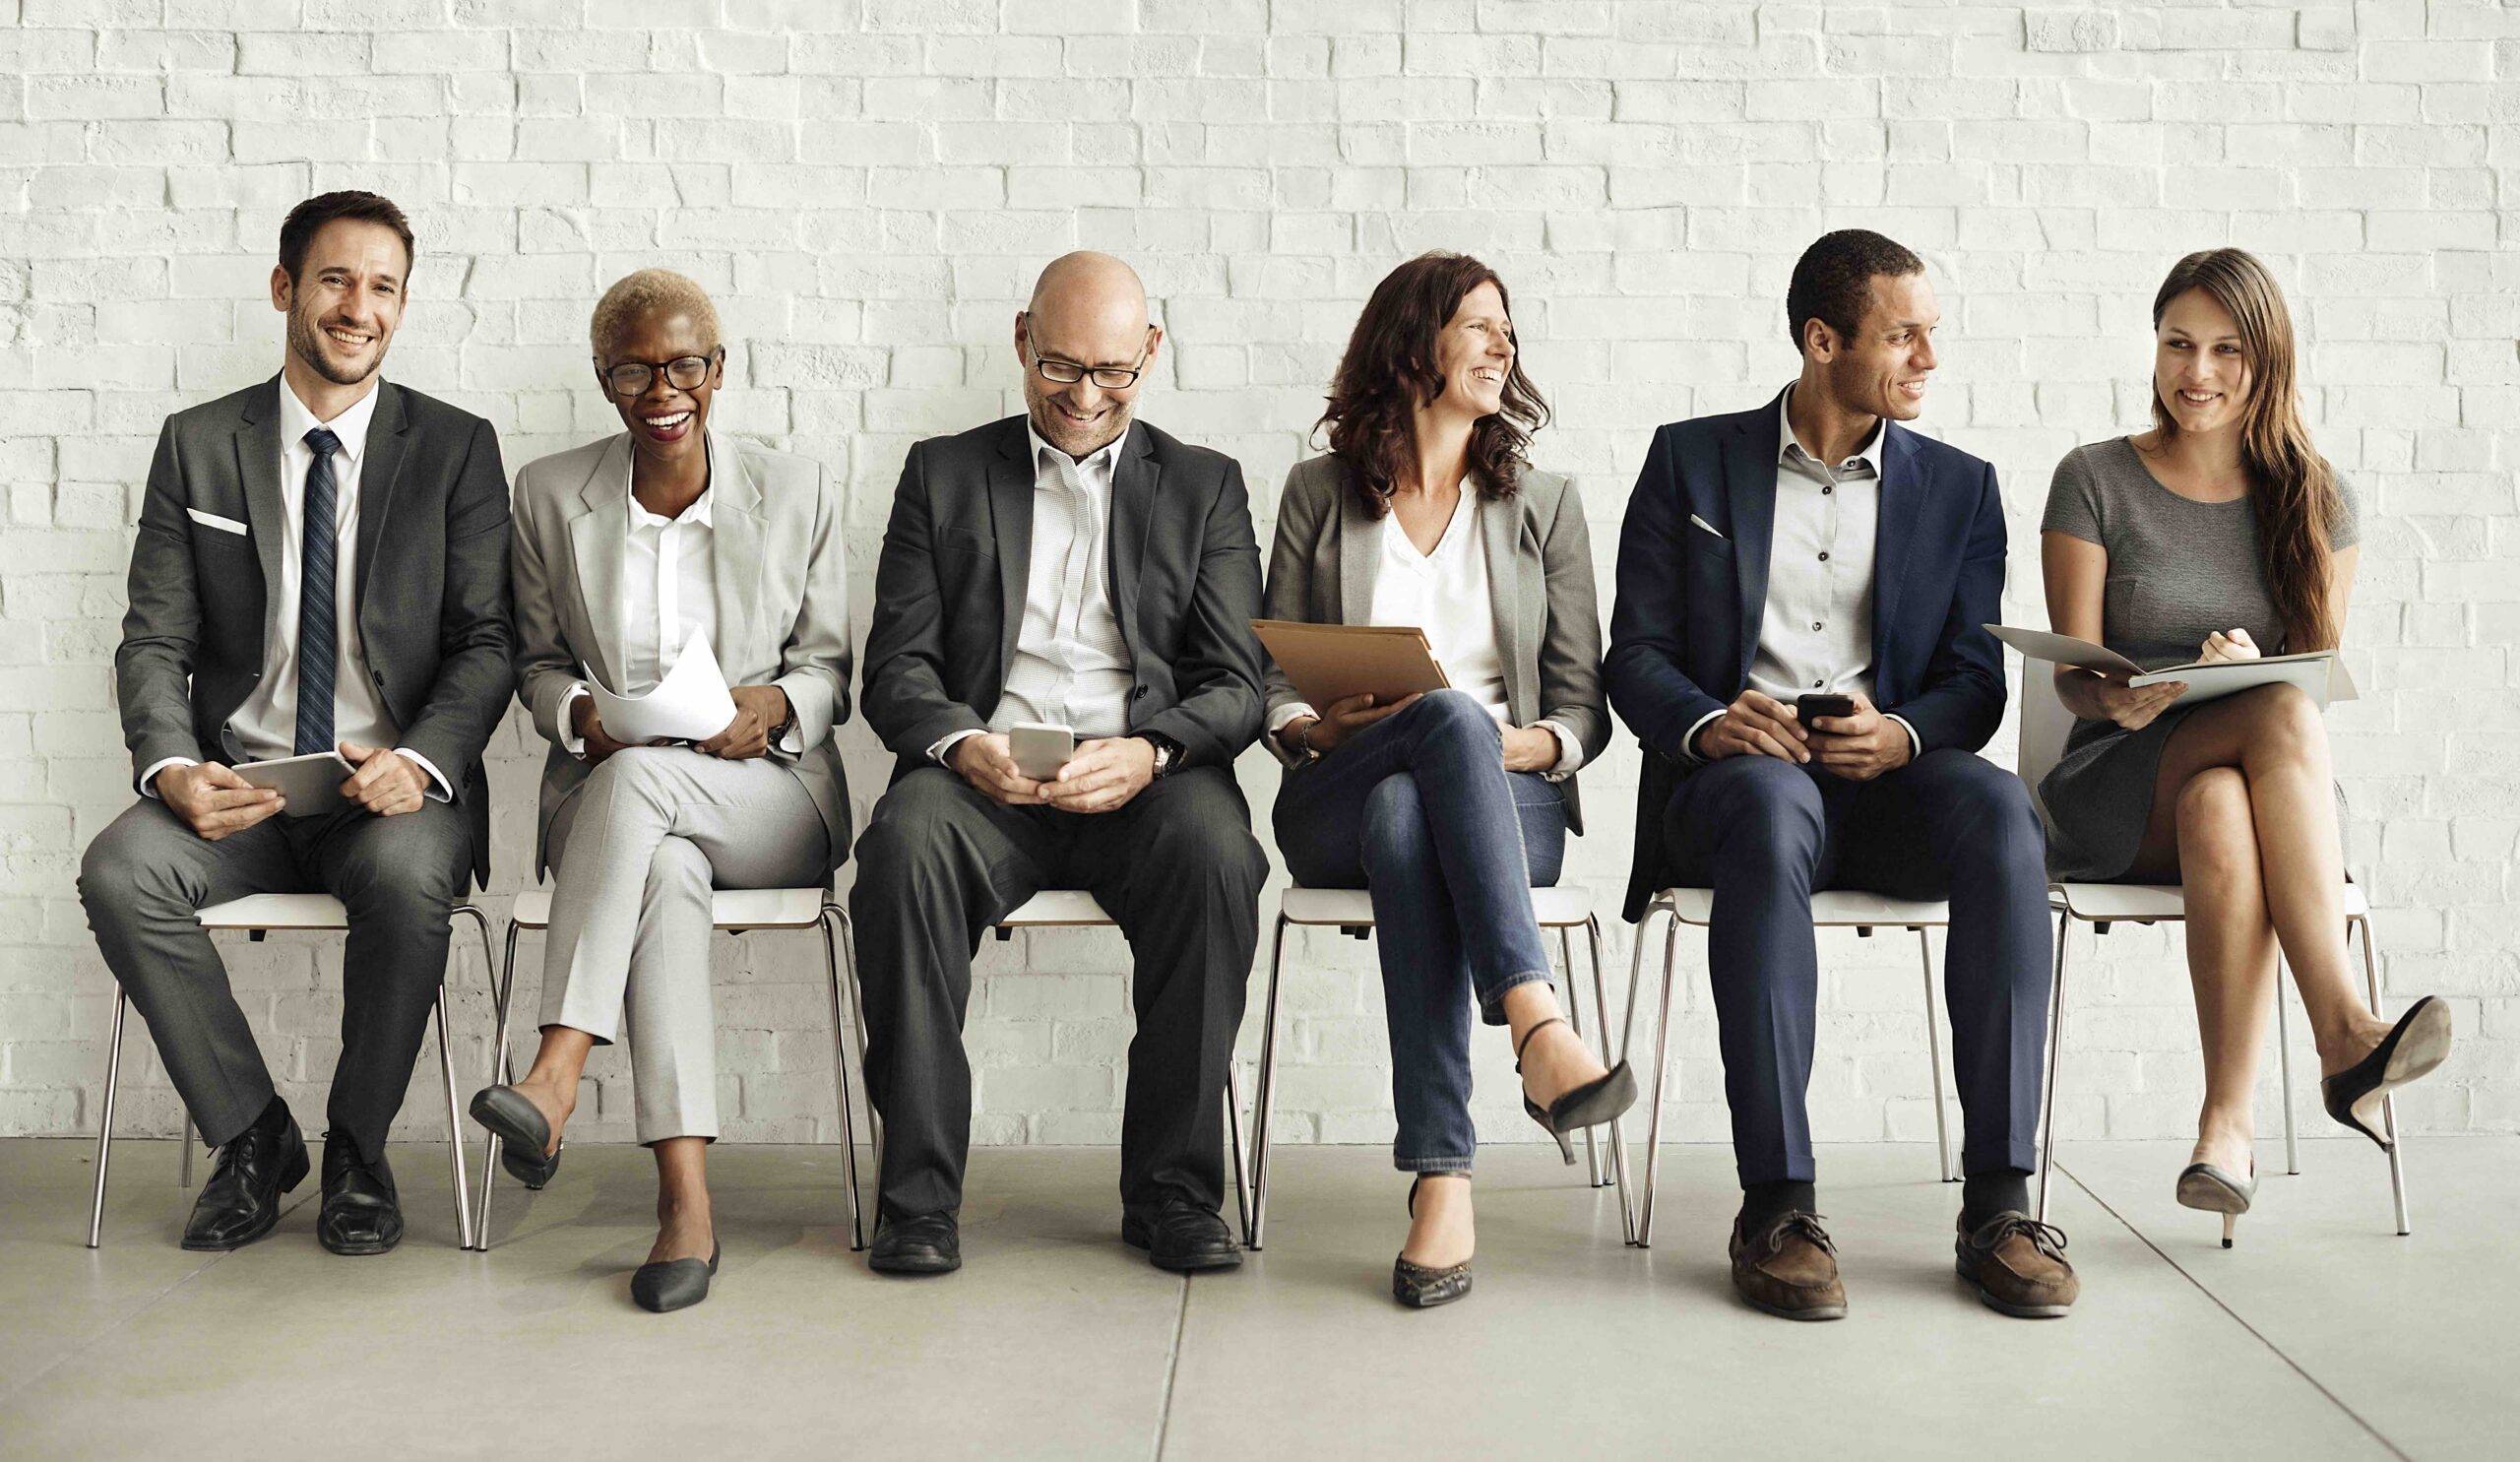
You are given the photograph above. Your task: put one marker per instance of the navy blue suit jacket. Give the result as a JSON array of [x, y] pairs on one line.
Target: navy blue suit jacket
[[1686, 621]]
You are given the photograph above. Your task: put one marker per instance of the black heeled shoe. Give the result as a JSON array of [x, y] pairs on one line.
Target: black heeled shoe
[[1594, 1102], [522, 1131], [1419, 1287], [2202, 1185], [2414, 1047], [675, 1284]]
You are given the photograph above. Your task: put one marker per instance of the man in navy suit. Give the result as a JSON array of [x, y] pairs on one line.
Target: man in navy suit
[[1812, 545]]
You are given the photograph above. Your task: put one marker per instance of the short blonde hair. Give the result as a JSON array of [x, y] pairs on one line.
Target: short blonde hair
[[635, 294]]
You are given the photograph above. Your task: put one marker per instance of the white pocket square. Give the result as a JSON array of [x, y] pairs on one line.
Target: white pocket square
[[212, 520], [1702, 523]]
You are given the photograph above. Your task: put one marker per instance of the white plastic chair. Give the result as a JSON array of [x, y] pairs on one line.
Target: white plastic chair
[[2045, 724], [1351, 911], [736, 910], [1830, 909], [258, 914]]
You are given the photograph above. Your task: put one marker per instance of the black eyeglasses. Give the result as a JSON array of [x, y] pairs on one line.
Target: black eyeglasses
[[683, 373], [1108, 377]]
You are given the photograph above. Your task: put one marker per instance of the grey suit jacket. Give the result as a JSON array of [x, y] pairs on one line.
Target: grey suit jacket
[[432, 588], [949, 592], [1540, 583], [781, 600]]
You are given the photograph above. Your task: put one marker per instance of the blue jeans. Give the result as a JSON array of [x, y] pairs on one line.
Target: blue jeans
[[1419, 810]]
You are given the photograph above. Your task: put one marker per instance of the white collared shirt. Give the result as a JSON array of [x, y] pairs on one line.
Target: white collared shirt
[[1071, 666], [265, 726], [1815, 630]]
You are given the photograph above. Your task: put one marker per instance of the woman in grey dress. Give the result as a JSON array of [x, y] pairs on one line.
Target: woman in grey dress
[[2216, 535]]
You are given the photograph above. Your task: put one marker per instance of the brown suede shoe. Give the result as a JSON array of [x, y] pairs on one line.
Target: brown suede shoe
[[2018, 1267], [1789, 1268]]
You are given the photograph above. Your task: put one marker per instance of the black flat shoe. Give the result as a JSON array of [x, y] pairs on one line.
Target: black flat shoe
[[522, 1129], [1181, 1237], [1419, 1287], [2414, 1047], [675, 1284], [1594, 1102], [241, 1201], [922, 1244], [361, 1214], [2202, 1185]]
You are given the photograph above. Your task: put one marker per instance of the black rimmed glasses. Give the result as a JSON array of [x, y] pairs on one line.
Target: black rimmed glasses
[[1108, 377], [683, 373]]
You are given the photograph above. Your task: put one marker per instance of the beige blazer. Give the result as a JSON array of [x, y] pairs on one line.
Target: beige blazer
[[781, 600], [1540, 584]]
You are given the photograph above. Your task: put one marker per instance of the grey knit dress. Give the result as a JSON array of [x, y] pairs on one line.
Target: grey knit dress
[[2178, 570]]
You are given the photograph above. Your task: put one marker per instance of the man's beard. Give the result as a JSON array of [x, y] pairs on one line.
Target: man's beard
[[307, 341]]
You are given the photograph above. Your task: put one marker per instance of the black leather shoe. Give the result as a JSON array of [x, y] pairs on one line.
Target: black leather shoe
[[1180, 1236], [676, 1284], [923, 1244], [241, 1201], [361, 1214]]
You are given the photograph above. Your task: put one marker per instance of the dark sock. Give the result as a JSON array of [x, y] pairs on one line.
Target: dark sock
[[1983, 1196], [1761, 1202]]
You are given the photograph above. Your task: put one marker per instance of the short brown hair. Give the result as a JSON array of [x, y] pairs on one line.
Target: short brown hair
[[1833, 280], [297, 232]]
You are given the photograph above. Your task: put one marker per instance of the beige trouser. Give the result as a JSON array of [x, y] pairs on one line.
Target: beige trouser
[[640, 846]]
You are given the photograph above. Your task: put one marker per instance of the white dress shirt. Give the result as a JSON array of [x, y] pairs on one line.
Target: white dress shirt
[[1444, 594], [1071, 666], [265, 726], [1815, 633]]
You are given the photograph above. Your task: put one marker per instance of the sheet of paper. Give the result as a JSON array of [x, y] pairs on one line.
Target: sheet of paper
[[2319, 676], [2042, 644], [690, 703]]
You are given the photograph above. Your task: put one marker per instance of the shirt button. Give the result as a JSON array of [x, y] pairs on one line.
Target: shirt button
[[1825, 491], [1816, 684], [1824, 555], [1815, 624]]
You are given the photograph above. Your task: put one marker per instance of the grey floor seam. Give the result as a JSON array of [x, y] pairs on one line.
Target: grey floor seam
[[209, 1262], [1171, 1370], [2256, 1334]]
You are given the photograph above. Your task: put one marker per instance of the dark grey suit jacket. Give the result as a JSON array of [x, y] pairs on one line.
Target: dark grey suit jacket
[[949, 592], [431, 592]]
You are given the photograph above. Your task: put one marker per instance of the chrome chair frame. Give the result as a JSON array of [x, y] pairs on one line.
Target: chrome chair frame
[[247, 915]]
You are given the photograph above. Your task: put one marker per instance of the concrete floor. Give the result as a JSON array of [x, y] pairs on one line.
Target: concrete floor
[[2321, 1335]]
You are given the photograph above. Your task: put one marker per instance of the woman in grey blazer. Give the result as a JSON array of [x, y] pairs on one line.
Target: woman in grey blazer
[[1450, 806], [631, 553]]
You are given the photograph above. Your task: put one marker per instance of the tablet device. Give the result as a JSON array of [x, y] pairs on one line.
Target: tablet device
[[1330, 662], [1040, 749], [309, 784]]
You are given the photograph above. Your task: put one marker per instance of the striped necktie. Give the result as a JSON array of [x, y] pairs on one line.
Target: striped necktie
[[318, 655]]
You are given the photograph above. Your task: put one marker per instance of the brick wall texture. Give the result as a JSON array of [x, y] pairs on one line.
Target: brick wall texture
[[868, 186]]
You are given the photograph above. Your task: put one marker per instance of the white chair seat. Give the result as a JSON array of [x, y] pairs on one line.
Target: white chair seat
[[732, 909], [1053, 908], [301, 910], [2144, 903], [1834, 908], [1352, 907]]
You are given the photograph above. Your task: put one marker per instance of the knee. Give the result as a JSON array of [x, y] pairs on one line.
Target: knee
[[2217, 831], [1209, 849], [413, 889], [2000, 830], [1768, 814], [908, 841], [1455, 712], [112, 876], [1394, 833], [2284, 725], [635, 772]]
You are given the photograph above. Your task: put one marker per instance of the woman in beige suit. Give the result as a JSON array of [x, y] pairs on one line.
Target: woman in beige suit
[[1446, 808], [631, 553]]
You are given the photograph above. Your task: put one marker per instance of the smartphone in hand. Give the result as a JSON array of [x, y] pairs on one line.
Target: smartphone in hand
[[1808, 706], [1040, 749]]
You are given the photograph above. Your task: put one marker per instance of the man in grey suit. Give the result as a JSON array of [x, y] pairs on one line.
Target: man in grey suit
[[1073, 567], [382, 635]]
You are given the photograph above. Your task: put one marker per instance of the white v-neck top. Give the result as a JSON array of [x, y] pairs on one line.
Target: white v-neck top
[[1445, 594]]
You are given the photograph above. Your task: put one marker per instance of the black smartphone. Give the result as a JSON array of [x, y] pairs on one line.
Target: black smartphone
[[1808, 706]]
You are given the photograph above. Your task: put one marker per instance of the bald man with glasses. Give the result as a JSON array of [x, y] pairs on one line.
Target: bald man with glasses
[[1076, 567]]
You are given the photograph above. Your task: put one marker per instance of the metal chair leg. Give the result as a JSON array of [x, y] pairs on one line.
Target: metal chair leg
[[1575, 1023], [1619, 1143], [454, 1126], [2283, 1062], [2388, 1104], [184, 1178], [502, 1071], [1662, 1065], [455, 1130], [1260, 1133], [1233, 1131], [839, 1068], [1933, 1057], [2047, 1091], [105, 1125]]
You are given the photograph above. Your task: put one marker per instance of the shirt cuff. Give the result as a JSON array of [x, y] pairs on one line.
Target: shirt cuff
[[946, 743], [439, 791], [1571, 751], [570, 741], [149, 778], [1289, 713], [1688, 741], [1916, 743], [794, 743]]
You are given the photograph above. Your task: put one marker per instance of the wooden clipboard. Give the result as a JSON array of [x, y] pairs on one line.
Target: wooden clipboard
[[1332, 661]]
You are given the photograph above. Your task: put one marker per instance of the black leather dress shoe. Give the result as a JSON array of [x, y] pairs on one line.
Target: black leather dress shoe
[[922, 1244], [361, 1214], [1180, 1236], [241, 1201]]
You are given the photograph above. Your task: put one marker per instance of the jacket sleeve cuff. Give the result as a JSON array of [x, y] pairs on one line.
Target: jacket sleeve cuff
[[149, 778], [440, 790], [945, 744]]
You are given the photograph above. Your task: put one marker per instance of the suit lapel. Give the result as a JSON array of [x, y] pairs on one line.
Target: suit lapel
[[258, 472], [595, 538], [1134, 479], [1500, 522], [1360, 552], [1902, 497], [1010, 507], [737, 531], [376, 479], [1749, 481]]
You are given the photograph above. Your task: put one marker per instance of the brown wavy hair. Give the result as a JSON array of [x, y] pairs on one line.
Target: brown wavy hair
[[2292, 488], [1389, 371]]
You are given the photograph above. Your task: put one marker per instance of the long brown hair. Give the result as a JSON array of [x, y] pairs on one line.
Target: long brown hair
[[2292, 488], [1389, 371]]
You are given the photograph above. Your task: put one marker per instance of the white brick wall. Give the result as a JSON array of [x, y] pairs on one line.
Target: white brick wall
[[869, 185]]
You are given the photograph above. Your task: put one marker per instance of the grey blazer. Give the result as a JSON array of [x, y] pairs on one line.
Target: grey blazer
[[432, 583], [782, 601], [1540, 581]]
